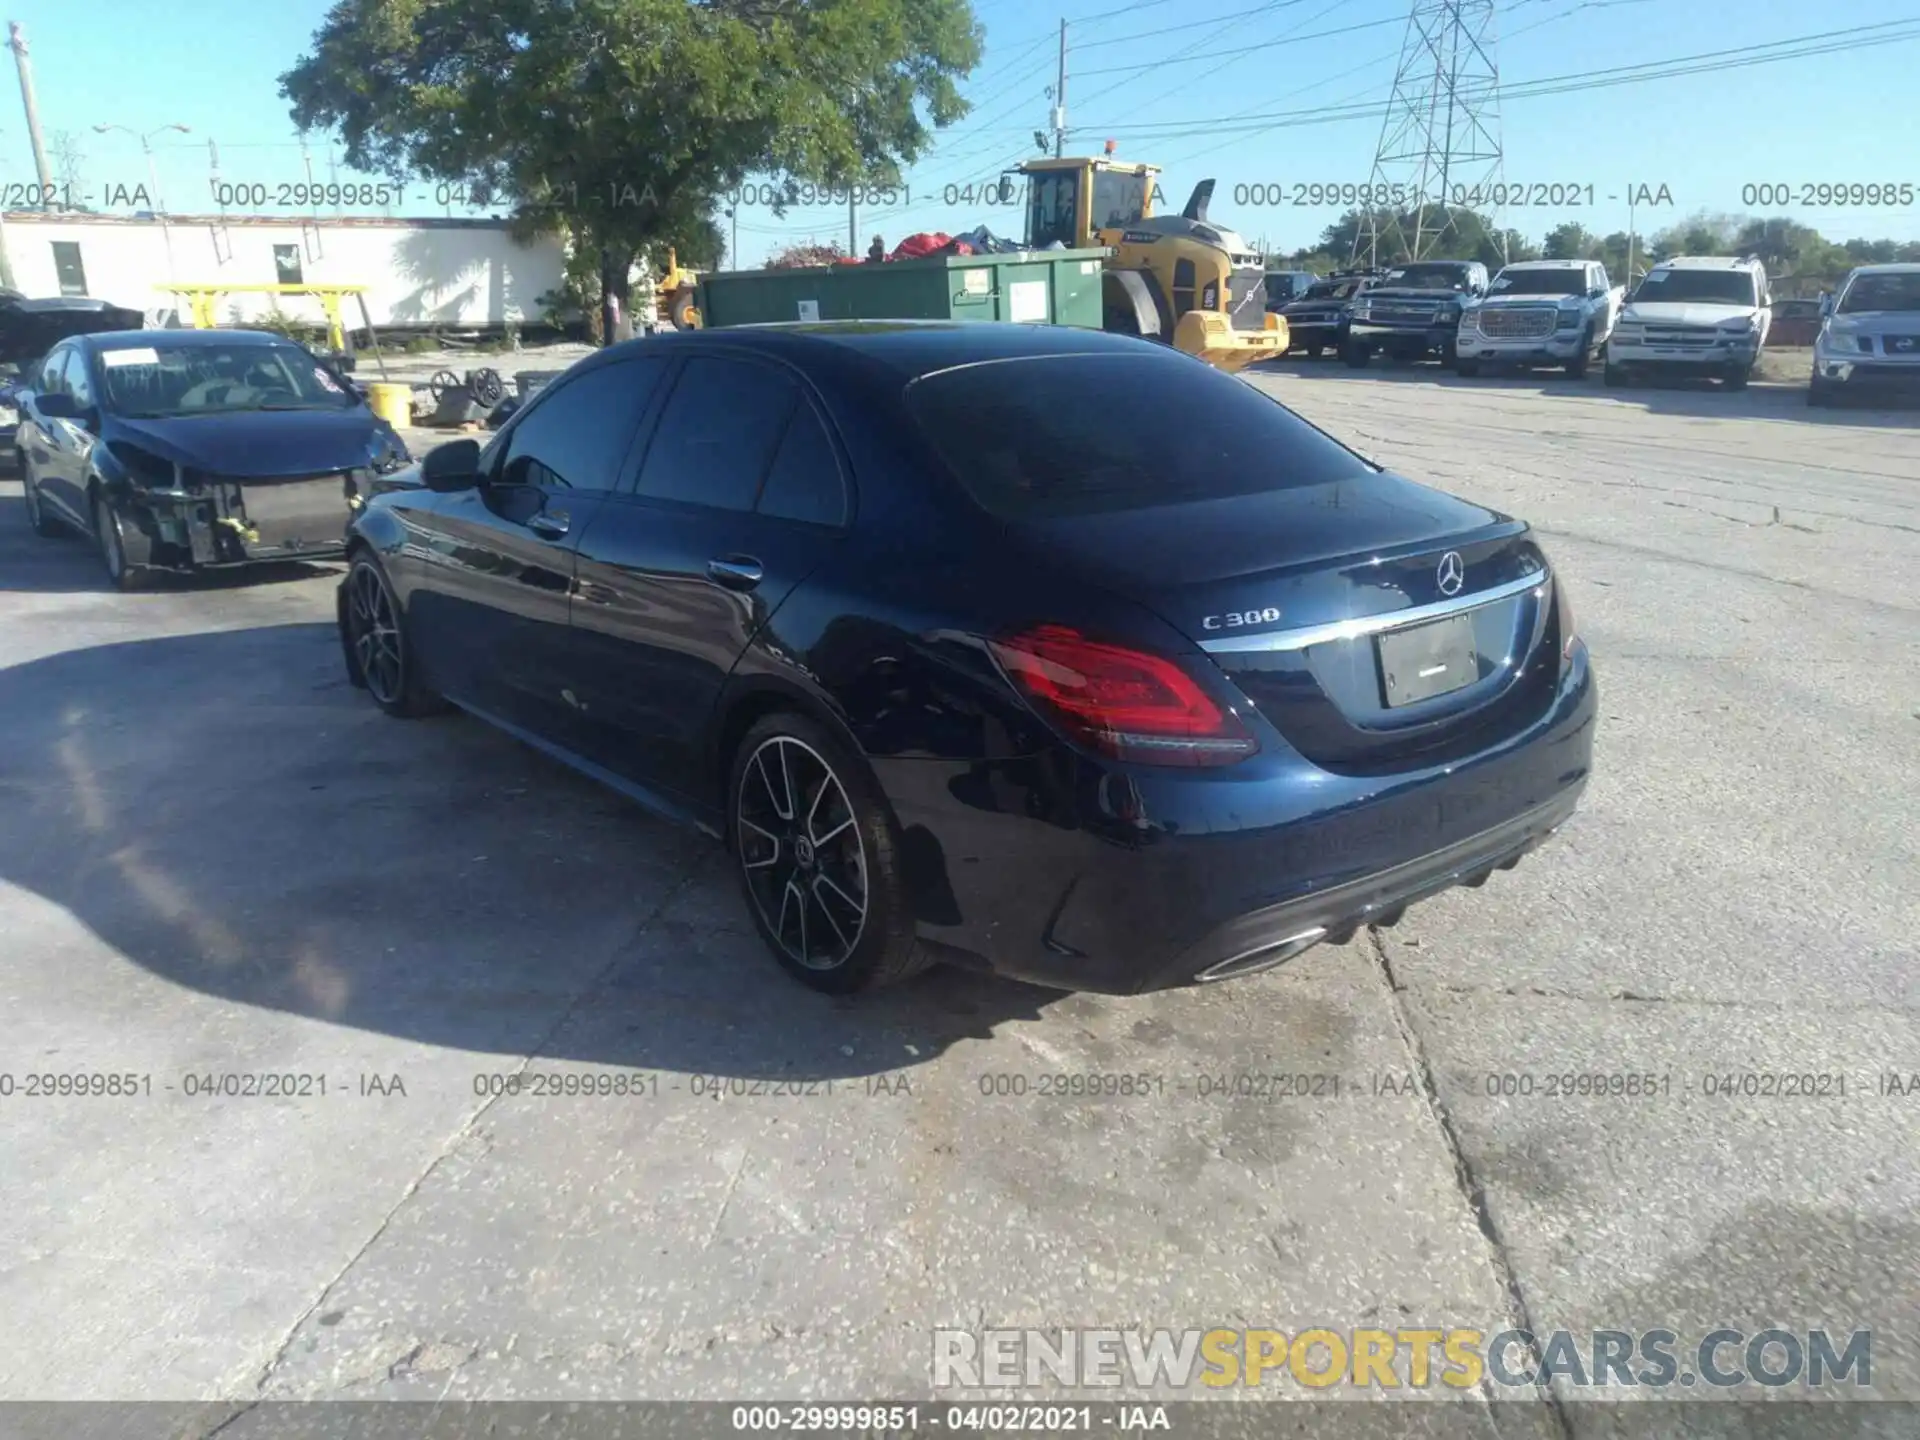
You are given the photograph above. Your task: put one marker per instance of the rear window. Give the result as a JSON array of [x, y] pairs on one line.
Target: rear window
[[1050, 436]]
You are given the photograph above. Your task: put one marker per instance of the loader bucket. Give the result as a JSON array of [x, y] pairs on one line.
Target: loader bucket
[[1208, 336]]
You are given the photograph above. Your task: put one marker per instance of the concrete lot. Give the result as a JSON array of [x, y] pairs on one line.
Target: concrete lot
[[216, 858]]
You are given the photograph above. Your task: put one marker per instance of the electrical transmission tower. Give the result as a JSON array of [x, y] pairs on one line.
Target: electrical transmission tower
[[1439, 151]]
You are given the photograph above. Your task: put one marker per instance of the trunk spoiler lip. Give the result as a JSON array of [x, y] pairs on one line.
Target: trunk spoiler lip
[[1301, 637]]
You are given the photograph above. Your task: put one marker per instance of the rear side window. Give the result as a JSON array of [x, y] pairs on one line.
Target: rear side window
[[719, 433], [576, 438], [1045, 437], [804, 483]]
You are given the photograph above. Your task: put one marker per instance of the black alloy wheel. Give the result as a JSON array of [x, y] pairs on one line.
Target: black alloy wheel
[[819, 859], [375, 641]]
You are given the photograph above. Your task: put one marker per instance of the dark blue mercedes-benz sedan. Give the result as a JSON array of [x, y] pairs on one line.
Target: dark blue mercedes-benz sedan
[[1045, 650]]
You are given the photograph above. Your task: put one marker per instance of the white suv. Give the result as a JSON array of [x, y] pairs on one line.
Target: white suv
[[1699, 314]]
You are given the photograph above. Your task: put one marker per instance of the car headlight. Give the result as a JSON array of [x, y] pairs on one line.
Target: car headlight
[[1746, 325], [386, 453], [1570, 317], [1470, 319], [1843, 340]]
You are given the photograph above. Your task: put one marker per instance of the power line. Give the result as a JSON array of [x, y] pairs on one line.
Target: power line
[[1560, 84], [1247, 49]]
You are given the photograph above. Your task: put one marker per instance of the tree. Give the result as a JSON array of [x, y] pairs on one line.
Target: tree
[[623, 121], [1571, 241], [1700, 234]]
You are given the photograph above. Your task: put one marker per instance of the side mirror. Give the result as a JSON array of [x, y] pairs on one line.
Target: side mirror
[[1598, 292], [1826, 304], [452, 466], [56, 406]]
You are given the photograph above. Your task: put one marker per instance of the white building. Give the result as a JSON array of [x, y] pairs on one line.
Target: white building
[[419, 274]]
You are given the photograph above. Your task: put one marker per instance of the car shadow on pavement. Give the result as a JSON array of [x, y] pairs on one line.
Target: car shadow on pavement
[[226, 812]]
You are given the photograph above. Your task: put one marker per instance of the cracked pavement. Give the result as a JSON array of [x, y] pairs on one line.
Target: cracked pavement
[[216, 859]]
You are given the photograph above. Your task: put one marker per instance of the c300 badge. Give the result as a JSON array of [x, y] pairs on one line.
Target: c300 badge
[[1234, 619]]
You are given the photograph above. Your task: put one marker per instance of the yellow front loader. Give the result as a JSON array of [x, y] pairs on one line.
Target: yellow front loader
[[1175, 278]]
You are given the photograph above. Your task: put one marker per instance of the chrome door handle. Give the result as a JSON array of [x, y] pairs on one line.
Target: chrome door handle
[[736, 572], [550, 523]]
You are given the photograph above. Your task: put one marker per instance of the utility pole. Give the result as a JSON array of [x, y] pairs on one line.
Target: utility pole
[[1060, 97], [17, 40], [153, 178], [1440, 137]]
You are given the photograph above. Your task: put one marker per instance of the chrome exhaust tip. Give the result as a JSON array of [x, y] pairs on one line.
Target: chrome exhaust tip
[[1264, 958]]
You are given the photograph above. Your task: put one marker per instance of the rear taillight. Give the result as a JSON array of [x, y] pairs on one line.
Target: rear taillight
[[1130, 704], [1563, 619]]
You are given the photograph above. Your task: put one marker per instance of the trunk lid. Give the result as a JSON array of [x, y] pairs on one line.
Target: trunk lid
[[1289, 591]]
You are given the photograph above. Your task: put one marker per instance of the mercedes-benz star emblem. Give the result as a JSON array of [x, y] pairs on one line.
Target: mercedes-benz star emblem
[[1452, 573]]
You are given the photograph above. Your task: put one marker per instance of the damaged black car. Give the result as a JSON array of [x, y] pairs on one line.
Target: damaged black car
[[194, 449]]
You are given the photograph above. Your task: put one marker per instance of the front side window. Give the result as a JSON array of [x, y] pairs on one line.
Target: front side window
[[78, 383], [1052, 208], [50, 380], [1118, 200], [577, 436]]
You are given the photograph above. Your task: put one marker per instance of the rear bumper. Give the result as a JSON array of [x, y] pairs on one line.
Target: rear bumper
[[1060, 871]]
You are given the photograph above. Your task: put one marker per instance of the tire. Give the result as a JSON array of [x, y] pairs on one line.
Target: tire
[[43, 524], [823, 877], [1576, 368], [1314, 351], [1818, 395], [112, 544], [1467, 368], [373, 641], [1736, 378], [1355, 355]]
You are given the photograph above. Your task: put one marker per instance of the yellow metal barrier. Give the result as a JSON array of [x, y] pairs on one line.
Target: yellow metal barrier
[[203, 301]]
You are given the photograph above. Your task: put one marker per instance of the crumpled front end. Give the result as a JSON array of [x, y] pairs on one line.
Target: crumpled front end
[[201, 520]]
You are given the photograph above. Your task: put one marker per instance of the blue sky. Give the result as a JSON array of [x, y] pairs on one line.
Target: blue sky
[[1812, 119]]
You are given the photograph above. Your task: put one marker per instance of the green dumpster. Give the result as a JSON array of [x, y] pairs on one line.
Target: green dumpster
[[1048, 287]]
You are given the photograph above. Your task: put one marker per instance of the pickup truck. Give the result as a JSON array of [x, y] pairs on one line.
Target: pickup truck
[[1318, 319], [1540, 312], [1414, 311]]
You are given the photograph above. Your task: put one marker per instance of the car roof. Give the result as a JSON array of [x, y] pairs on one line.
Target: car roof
[[126, 339], [909, 348], [1890, 267], [1708, 262], [1547, 264]]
